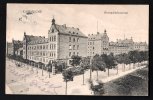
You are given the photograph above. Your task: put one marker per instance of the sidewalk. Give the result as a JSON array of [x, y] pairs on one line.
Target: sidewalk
[[38, 84]]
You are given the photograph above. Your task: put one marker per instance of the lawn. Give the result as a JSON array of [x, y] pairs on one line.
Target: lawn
[[133, 84]]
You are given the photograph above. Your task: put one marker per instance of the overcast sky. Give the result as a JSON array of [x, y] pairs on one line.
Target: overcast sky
[[134, 23]]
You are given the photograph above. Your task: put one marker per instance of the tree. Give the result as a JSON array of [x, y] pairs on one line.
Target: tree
[[127, 60], [67, 76], [98, 64], [60, 66], [84, 63], [109, 61], [75, 60], [132, 57], [118, 59]]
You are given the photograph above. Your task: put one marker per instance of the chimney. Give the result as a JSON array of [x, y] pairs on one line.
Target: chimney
[[97, 32], [92, 34], [88, 34], [78, 28]]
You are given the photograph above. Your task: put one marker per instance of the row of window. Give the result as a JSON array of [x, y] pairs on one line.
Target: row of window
[[53, 38], [73, 39], [42, 53], [40, 47], [38, 59], [75, 47], [73, 53]]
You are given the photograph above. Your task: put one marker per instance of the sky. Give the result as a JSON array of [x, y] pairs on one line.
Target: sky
[[133, 22]]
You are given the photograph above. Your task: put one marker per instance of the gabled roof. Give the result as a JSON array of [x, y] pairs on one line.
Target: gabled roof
[[31, 37], [17, 42], [97, 36], [41, 40], [63, 29]]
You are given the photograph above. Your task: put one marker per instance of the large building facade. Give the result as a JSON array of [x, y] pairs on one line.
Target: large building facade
[[99, 44], [61, 44]]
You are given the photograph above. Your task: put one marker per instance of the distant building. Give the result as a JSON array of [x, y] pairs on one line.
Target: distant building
[[13, 47], [98, 44], [9, 49], [61, 44]]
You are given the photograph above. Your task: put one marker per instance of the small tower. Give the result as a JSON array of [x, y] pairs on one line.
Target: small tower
[[131, 37], [105, 31], [53, 21], [24, 33]]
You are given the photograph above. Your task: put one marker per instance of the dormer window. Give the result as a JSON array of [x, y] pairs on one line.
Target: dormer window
[[52, 30]]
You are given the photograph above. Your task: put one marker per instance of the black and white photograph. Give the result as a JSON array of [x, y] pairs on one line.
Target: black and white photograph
[[77, 49]]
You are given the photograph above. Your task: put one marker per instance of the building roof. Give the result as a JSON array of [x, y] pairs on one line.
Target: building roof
[[125, 41], [63, 29], [117, 44], [18, 42], [97, 36], [9, 44], [40, 40], [140, 43], [31, 37]]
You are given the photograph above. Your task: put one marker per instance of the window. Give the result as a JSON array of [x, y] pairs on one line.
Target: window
[[69, 39], [77, 39], [73, 39], [54, 38], [73, 47], [54, 46], [43, 46], [73, 53], [69, 53]]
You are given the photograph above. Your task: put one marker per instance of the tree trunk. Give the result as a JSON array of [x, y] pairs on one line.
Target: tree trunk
[[66, 88], [37, 68], [97, 75], [90, 74], [117, 70], [42, 70], [83, 77], [124, 67], [108, 72], [49, 74], [133, 65]]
